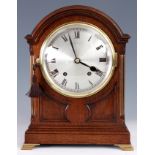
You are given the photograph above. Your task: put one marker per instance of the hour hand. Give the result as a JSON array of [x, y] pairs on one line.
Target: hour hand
[[92, 68]]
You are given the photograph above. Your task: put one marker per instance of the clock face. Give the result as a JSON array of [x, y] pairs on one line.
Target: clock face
[[77, 59]]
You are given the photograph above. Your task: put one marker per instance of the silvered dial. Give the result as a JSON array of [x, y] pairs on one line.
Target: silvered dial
[[77, 59]]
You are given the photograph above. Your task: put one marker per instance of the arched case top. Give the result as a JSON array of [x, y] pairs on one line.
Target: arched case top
[[80, 13]]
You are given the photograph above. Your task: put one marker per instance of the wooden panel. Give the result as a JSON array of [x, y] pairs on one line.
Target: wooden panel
[[105, 109], [51, 110], [77, 113]]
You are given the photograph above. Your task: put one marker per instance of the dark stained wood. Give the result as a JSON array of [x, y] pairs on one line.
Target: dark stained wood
[[77, 114], [98, 119]]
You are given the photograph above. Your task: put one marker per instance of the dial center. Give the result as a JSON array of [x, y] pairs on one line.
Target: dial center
[[77, 60]]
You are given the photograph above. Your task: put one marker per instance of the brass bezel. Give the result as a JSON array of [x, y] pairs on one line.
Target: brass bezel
[[74, 94]]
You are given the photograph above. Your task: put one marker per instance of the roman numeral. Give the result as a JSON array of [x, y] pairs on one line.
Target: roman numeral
[[99, 47], [64, 38], [53, 60], [76, 86], [50, 44], [55, 47], [77, 34], [90, 83], [64, 82], [90, 38], [102, 59], [99, 73], [54, 73]]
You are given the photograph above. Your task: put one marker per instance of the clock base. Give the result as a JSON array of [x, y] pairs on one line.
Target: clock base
[[117, 135]]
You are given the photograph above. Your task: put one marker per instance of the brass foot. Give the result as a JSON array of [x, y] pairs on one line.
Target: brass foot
[[29, 146], [125, 147]]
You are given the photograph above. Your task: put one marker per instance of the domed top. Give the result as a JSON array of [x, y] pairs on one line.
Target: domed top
[[77, 10]]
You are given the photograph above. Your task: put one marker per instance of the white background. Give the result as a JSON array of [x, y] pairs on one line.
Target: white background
[[146, 84]]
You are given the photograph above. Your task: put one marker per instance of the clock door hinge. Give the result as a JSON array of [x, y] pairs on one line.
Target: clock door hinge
[[115, 60]]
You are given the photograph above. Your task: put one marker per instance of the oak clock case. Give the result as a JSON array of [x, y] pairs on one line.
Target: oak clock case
[[77, 88]]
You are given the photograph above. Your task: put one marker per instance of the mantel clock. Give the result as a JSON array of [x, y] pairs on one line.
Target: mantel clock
[[77, 70]]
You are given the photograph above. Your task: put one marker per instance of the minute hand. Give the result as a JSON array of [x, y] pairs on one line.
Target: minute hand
[[72, 45]]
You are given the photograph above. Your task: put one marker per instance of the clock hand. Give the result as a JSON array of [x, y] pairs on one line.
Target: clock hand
[[72, 45], [77, 60], [92, 68]]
